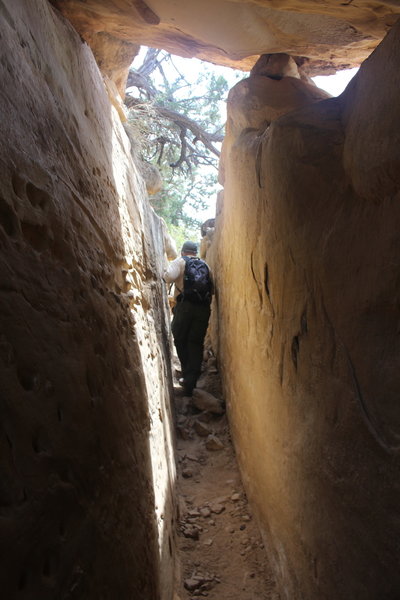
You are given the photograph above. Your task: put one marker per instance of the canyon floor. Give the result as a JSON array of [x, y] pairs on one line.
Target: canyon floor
[[221, 553]]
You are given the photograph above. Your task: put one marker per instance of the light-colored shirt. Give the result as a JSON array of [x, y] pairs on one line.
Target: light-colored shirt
[[174, 274]]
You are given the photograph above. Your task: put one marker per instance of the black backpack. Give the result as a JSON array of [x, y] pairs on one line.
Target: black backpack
[[197, 286]]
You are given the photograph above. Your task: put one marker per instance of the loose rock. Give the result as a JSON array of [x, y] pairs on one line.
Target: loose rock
[[191, 532], [205, 401], [214, 443], [217, 508], [191, 584], [201, 429], [183, 432]]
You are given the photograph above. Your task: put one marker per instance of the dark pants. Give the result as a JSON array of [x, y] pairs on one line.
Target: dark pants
[[189, 327]]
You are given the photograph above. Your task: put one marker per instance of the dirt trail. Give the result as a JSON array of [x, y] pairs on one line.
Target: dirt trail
[[221, 552]]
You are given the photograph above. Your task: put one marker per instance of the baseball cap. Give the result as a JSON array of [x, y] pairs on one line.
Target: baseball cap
[[189, 247]]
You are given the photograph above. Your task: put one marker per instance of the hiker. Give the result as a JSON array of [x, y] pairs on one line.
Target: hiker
[[193, 290]]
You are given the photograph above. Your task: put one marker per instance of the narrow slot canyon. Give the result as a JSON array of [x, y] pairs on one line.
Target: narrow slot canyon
[[279, 478]]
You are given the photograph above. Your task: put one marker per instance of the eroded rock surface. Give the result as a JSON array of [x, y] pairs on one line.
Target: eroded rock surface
[[305, 258], [86, 472], [231, 32]]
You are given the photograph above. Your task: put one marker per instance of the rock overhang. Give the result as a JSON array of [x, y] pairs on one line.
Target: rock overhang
[[329, 36]]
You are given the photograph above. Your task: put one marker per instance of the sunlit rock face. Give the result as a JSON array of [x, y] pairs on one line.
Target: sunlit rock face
[[86, 476], [330, 34], [306, 250]]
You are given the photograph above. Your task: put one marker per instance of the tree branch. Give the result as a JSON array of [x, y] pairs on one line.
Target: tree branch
[[182, 121]]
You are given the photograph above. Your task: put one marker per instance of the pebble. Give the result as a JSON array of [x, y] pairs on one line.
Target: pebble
[[208, 542], [242, 527], [205, 401], [246, 518], [205, 512], [214, 443], [235, 497], [192, 457], [187, 473], [201, 429], [191, 584], [191, 532], [217, 508], [183, 432], [221, 500]]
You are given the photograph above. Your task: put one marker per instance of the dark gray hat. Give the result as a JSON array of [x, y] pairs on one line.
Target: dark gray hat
[[189, 247]]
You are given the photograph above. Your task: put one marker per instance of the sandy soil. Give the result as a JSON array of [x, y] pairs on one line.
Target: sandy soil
[[221, 552]]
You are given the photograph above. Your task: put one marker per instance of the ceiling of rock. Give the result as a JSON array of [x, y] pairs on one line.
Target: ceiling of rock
[[333, 34]]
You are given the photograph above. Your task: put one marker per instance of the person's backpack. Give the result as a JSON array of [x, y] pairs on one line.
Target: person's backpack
[[197, 286]]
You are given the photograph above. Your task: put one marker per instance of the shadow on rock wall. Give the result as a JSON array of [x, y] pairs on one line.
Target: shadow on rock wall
[[309, 335], [77, 342]]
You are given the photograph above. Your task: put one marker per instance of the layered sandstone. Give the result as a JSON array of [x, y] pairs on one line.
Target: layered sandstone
[[329, 35], [86, 493], [306, 265]]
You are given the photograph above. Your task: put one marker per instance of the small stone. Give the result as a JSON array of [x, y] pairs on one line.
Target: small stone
[[221, 500], [212, 522], [242, 527], [208, 542], [214, 443], [191, 584], [246, 518], [192, 457], [194, 513], [191, 532], [187, 473], [206, 587], [205, 401], [235, 497], [205, 512], [183, 432], [201, 429], [217, 508]]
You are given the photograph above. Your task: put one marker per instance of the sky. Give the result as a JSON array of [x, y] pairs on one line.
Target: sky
[[335, 84]]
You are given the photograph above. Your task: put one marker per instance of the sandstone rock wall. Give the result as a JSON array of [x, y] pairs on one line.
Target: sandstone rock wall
[[331, 35], [306, 249], [86, 470]]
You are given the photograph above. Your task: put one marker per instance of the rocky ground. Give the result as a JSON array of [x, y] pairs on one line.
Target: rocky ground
[[221, 552]]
